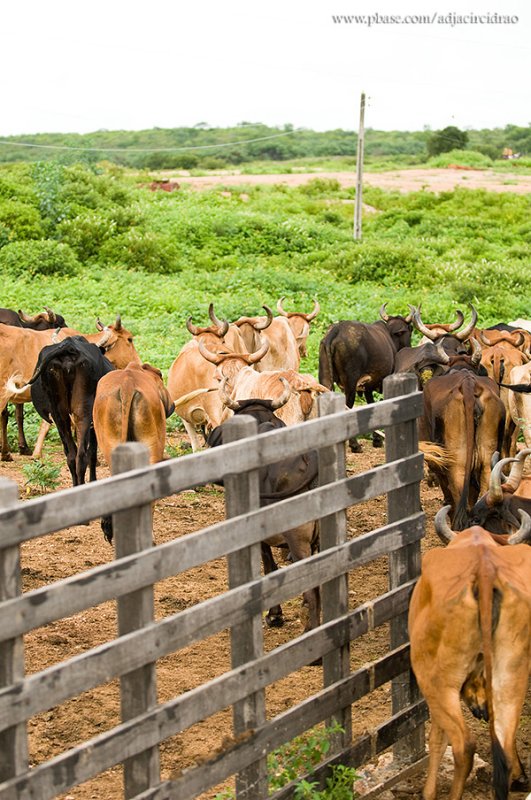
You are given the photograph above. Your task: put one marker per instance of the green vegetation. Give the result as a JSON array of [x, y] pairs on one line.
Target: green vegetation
[[205, 148], [41, 476], [93, 242]]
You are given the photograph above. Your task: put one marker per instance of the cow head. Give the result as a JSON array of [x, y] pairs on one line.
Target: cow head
[[117, 344], [453, 339], [219, 327], [498, 508], [445, 533], [299, 323], [399, 328]]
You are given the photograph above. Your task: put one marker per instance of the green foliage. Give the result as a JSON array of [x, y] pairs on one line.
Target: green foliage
[[20, 221], [450, 138], [30, 258], [147, 251], [41, 476], [466, 158], [300, 756]]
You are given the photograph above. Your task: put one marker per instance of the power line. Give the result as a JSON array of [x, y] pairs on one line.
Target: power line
[[148, 149]]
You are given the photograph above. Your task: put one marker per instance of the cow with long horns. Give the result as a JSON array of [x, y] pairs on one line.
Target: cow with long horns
[[448, 334], [299, 323], [498, 509]]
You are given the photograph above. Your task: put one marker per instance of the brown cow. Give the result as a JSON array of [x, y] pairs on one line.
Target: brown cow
[[520, 399], [469, 625], [463, 413], [131, 405], [19, 351], [283, 347]]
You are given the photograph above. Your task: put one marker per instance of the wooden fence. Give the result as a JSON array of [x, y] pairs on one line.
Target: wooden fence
[[130, 578]]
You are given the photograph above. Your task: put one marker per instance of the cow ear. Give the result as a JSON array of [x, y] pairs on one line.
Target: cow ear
[[167, 402]]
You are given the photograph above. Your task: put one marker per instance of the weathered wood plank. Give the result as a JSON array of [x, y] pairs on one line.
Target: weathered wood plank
[[102, 752], [13, 740], [334, 593], [133, 532], [275, 732], [73, 506], [52, 686], [106, 582], [107, 661], [242, 494], [404, 564]]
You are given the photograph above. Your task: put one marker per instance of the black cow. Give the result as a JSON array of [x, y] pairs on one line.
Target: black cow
[[498, 510], [40, 322], [287, 478], [426, 361], [357, 357], [452, 340], [63, 386]]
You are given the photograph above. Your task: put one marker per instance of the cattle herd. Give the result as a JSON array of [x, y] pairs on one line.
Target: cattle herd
[[470, 614]]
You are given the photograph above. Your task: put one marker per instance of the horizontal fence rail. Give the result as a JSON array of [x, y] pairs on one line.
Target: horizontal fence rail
[[129, 580]]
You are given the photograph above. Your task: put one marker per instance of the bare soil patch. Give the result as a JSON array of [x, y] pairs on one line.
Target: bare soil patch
[[403, 180], [82, 547]]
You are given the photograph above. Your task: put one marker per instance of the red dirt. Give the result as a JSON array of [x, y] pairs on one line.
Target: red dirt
[[80, 548]]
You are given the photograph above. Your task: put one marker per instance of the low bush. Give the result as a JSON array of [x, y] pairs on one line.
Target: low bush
[[46, 257]]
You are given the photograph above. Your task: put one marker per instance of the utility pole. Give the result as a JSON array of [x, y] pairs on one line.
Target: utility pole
[[359, 171]]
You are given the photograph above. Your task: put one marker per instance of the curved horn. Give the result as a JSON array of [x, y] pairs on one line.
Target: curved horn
[[118, 323], [443, 355], [313, 314], [193, 329], [55, 335], [261, 325], [260, 353], [105, 338], [280, 309], [476, 351], [523, 534], [25, 317], [515, 476], [520, 341], [226, 399], [413, 311], [383, 313], [223, 326], [460, 318], [465, 333], [99, 326], [52, 317], [419, 325], [442, 526], [495, 490], [483, 339], [284, 397], [214, 358]]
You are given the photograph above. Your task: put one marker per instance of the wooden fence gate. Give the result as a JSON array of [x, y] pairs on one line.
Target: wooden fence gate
[[141, 641]]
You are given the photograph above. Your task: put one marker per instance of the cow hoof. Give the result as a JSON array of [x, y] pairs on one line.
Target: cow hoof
[[7, 457], [355, 447], [520, 785], [274, 622], [377, 441], [25, 451]]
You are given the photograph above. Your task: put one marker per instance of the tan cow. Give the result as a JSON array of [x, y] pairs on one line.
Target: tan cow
[[302, 403], [520, 401], [299, 323], [196, 369], [283, 348], [131, 405], [19, 351], [469, 626]]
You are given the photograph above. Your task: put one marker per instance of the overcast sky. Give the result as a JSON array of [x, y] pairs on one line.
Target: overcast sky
[[80, 67]]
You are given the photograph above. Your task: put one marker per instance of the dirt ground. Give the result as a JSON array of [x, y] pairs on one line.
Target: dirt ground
[[402, 180], [80, 548]]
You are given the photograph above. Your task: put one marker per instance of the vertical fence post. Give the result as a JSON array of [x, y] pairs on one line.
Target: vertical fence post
[[404, 564], [133, 531], [334, 593], [14, 740], [242, 494]]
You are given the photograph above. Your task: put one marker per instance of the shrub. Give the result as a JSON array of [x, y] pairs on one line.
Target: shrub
[[20, 220], [463, 158], [44, 257], [143, 250]]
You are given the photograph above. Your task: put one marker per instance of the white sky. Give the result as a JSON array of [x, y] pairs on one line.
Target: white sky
[[80, 67]]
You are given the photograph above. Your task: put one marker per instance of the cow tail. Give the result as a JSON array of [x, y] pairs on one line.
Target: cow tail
[[126, 398], [326, 371], [461, 516], [487, 623]]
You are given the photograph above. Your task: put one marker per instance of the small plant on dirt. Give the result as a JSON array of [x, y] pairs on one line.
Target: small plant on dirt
[[41, 476], [300, 756]]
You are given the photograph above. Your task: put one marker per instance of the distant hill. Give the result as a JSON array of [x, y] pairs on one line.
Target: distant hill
[[212, 148]]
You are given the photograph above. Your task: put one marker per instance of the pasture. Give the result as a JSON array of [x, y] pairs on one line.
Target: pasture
[[171, 256]]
